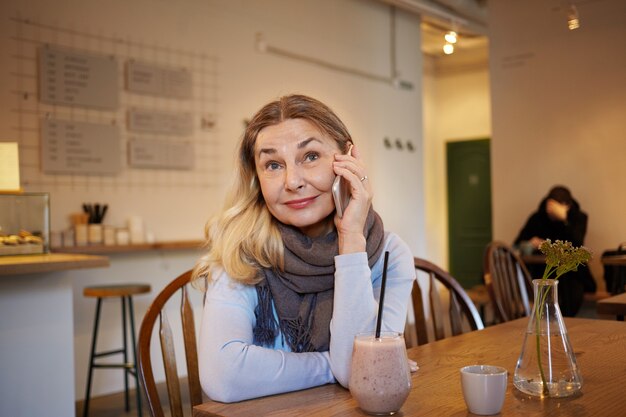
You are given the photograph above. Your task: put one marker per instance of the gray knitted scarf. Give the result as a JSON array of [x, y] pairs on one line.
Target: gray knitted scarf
[[303, 292]]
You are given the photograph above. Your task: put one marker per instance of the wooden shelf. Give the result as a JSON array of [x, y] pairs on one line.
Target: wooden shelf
[[34, 264], [144, 247]]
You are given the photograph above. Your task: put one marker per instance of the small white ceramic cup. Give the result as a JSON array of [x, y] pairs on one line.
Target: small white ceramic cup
[[484, 387]]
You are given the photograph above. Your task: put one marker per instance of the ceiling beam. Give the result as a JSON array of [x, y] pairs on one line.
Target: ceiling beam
[[441, 14]]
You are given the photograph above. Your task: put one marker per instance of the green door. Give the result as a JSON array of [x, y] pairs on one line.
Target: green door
[[469, 208]]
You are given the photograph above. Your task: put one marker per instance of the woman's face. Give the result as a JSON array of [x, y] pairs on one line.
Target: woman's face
[[294, 164]]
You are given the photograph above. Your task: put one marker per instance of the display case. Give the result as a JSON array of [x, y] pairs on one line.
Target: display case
[[24, 223]]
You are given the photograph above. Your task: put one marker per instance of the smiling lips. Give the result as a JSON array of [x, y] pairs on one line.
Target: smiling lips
[[301, 203]]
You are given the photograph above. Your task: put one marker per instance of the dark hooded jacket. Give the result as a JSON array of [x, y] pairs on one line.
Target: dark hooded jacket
[[541, 225], [573, 284]]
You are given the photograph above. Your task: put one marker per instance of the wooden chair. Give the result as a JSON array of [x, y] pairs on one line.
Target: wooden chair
[[461, 313], [157, 311], [508, 281]]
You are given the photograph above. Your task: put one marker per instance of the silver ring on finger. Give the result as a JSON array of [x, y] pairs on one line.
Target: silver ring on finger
[[363, 178]]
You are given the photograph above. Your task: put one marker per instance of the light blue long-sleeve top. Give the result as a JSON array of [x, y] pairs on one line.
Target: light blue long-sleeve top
[[232, 368]]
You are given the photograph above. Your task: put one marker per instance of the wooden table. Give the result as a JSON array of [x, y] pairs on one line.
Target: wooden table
[[537, 258], [615, 306], [614, 272], [600, 347], [619, 260], [534, 259]]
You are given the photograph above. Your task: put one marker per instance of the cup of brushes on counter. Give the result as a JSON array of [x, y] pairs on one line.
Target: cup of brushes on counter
[[95, 215]]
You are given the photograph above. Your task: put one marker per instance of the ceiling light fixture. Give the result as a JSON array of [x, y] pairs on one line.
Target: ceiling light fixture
[[573, 21], [450, 36]]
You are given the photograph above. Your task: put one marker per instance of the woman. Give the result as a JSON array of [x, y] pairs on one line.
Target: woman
[[559, 217], [289, 283]]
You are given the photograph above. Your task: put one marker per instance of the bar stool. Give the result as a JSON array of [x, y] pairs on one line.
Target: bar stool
[[124, 292]]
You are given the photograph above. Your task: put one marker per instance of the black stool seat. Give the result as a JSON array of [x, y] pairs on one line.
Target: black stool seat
[[125, 293]]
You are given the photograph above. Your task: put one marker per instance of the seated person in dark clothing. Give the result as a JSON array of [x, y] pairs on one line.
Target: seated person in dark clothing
[[559, 218]]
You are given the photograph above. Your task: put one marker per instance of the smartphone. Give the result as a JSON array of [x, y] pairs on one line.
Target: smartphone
[[341, 191]]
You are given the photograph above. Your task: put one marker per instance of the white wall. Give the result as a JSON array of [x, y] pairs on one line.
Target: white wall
[[558, 102], [352, 33], [456, 107], [36, 349]]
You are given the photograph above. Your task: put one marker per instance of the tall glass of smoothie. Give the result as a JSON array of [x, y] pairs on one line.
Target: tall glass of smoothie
[[380, 380]]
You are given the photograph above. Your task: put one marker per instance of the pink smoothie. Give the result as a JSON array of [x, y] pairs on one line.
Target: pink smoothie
[[380, 380]]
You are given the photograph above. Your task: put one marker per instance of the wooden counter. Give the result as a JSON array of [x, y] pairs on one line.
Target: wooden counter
[[37, 310], [33, 264]]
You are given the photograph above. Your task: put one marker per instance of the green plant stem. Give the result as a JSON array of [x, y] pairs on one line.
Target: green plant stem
[[541, 298], [561, 258], [549, 270]]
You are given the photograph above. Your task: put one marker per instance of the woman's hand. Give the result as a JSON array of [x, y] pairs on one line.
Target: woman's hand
[[350, 226], [536, 242], [557, 211]]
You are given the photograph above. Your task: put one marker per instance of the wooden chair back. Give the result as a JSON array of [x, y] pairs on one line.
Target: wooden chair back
[[461, 314], [508, 281], [155, 312]]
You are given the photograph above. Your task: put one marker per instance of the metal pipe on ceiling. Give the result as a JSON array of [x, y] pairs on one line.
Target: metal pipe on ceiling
[[445, 14]]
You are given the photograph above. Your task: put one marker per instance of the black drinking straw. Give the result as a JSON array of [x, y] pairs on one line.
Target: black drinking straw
[[379, 321]]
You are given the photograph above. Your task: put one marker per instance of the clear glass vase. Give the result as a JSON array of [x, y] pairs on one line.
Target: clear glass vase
[[547, 366]]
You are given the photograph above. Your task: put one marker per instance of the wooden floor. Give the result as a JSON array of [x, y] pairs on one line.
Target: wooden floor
[[113, 405]]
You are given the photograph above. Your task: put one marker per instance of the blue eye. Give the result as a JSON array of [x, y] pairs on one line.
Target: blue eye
[[311, 156], [272, 166]]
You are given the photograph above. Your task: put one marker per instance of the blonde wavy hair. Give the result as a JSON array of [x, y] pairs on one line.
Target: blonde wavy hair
[[244, 238]]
